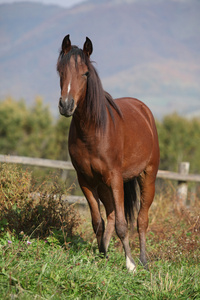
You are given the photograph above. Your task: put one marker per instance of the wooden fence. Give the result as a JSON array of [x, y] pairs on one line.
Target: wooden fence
[[183, 176]]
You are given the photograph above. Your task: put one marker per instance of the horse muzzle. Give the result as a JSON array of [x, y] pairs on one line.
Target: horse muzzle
[[66, 107]]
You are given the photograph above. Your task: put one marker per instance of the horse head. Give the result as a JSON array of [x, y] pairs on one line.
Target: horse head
[[73, 69]]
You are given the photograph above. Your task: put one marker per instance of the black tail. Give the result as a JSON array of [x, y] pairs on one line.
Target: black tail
[[130, 199]]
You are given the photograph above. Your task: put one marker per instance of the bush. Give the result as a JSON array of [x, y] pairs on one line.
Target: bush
[[179, 141], [33, 212]]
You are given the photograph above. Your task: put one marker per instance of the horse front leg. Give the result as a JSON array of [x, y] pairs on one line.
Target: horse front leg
[[106, 198], [121, 225], [97, 221]]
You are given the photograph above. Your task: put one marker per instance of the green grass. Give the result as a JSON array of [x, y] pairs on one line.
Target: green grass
[[51, 270]]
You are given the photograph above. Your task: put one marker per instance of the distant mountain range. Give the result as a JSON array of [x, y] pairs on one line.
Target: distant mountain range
[[145, 49]]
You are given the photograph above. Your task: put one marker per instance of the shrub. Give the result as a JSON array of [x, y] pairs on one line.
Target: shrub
[[33, 212]]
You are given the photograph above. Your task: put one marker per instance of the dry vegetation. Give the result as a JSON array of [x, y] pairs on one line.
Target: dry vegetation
[[34, 209]]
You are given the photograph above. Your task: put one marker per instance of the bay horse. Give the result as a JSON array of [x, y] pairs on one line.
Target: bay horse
[[112, 144]]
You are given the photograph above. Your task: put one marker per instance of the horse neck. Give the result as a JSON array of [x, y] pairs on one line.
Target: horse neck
[[85, 125], [91, 113]]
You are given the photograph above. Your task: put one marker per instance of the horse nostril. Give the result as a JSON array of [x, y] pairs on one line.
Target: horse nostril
[[60, 102]]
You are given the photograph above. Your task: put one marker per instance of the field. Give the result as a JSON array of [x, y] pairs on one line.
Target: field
[[63, 263]]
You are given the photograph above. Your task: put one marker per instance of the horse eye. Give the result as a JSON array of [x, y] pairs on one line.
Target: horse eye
[[86, 74]]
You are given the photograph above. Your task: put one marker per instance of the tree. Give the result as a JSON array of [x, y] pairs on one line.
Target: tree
[[39, 138], [61, 137], [179, 141], [12, 118], [28, 132]]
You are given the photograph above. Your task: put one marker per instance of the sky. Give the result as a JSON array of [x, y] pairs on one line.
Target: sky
[[64, 3]]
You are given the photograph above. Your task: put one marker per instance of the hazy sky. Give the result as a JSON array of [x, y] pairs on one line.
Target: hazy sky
[[65, 3]]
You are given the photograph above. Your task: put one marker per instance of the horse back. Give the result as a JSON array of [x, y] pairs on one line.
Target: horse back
[[135, 109]]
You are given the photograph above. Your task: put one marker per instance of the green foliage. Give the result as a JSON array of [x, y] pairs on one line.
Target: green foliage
[[32, 131], [179, 141], [61, 137], [38, 137], [12, 115], [23, 208]]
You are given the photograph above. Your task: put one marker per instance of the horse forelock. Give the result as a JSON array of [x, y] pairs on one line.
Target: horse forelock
[[97, 100], [64, 59]]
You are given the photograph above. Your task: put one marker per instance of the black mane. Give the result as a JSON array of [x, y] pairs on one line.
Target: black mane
[[97, 100]]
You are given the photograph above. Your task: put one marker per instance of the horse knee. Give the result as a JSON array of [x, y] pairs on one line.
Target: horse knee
[[98, 227], [121, 228]]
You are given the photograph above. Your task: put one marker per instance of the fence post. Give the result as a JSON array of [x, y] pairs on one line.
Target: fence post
[[182, 189]]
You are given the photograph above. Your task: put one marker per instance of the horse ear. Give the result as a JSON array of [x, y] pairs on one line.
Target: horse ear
[[66, 44], [87, 47]]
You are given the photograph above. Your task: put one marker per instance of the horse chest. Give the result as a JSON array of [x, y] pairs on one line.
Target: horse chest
[[83, 161]]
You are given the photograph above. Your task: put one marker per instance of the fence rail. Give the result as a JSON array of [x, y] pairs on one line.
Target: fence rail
[[67, 165], [182, 176], [39, 162]]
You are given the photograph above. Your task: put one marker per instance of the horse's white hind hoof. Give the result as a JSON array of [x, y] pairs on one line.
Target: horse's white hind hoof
[[130, 265]]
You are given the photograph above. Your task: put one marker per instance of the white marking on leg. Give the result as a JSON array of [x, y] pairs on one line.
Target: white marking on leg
[[130, 265]]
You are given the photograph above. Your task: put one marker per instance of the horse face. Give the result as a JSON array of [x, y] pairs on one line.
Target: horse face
[[73, 75], [73, 83]]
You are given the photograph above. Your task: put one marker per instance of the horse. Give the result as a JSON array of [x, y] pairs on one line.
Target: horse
[[113, 145]]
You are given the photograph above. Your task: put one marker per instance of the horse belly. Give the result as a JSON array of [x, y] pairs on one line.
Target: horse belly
[[139, 142], [136, 161]]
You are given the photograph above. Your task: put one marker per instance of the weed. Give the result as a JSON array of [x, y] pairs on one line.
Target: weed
[[37, 212]]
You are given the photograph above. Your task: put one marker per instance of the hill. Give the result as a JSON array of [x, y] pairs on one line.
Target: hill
[[145, 49]]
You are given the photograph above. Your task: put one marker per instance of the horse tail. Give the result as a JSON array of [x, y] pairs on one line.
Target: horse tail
[[131, 200]]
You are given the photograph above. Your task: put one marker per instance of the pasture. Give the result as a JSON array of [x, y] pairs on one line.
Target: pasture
[[65, 264]]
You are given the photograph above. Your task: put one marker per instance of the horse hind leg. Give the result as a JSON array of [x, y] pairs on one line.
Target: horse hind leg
[[121, 225], [147, 189]]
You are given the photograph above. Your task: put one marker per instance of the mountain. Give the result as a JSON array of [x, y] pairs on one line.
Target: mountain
[[144, 49]]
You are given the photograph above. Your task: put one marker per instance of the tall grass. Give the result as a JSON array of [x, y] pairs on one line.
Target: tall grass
[[62, 264]]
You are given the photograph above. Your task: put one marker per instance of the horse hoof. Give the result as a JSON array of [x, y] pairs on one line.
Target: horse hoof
[[130, 265], [145, 264]]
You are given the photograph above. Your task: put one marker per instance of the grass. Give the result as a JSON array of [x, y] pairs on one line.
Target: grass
[[65, 264], [46, 270], [73, 269]]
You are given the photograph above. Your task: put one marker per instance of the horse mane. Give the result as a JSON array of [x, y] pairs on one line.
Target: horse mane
[[97, 100]]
